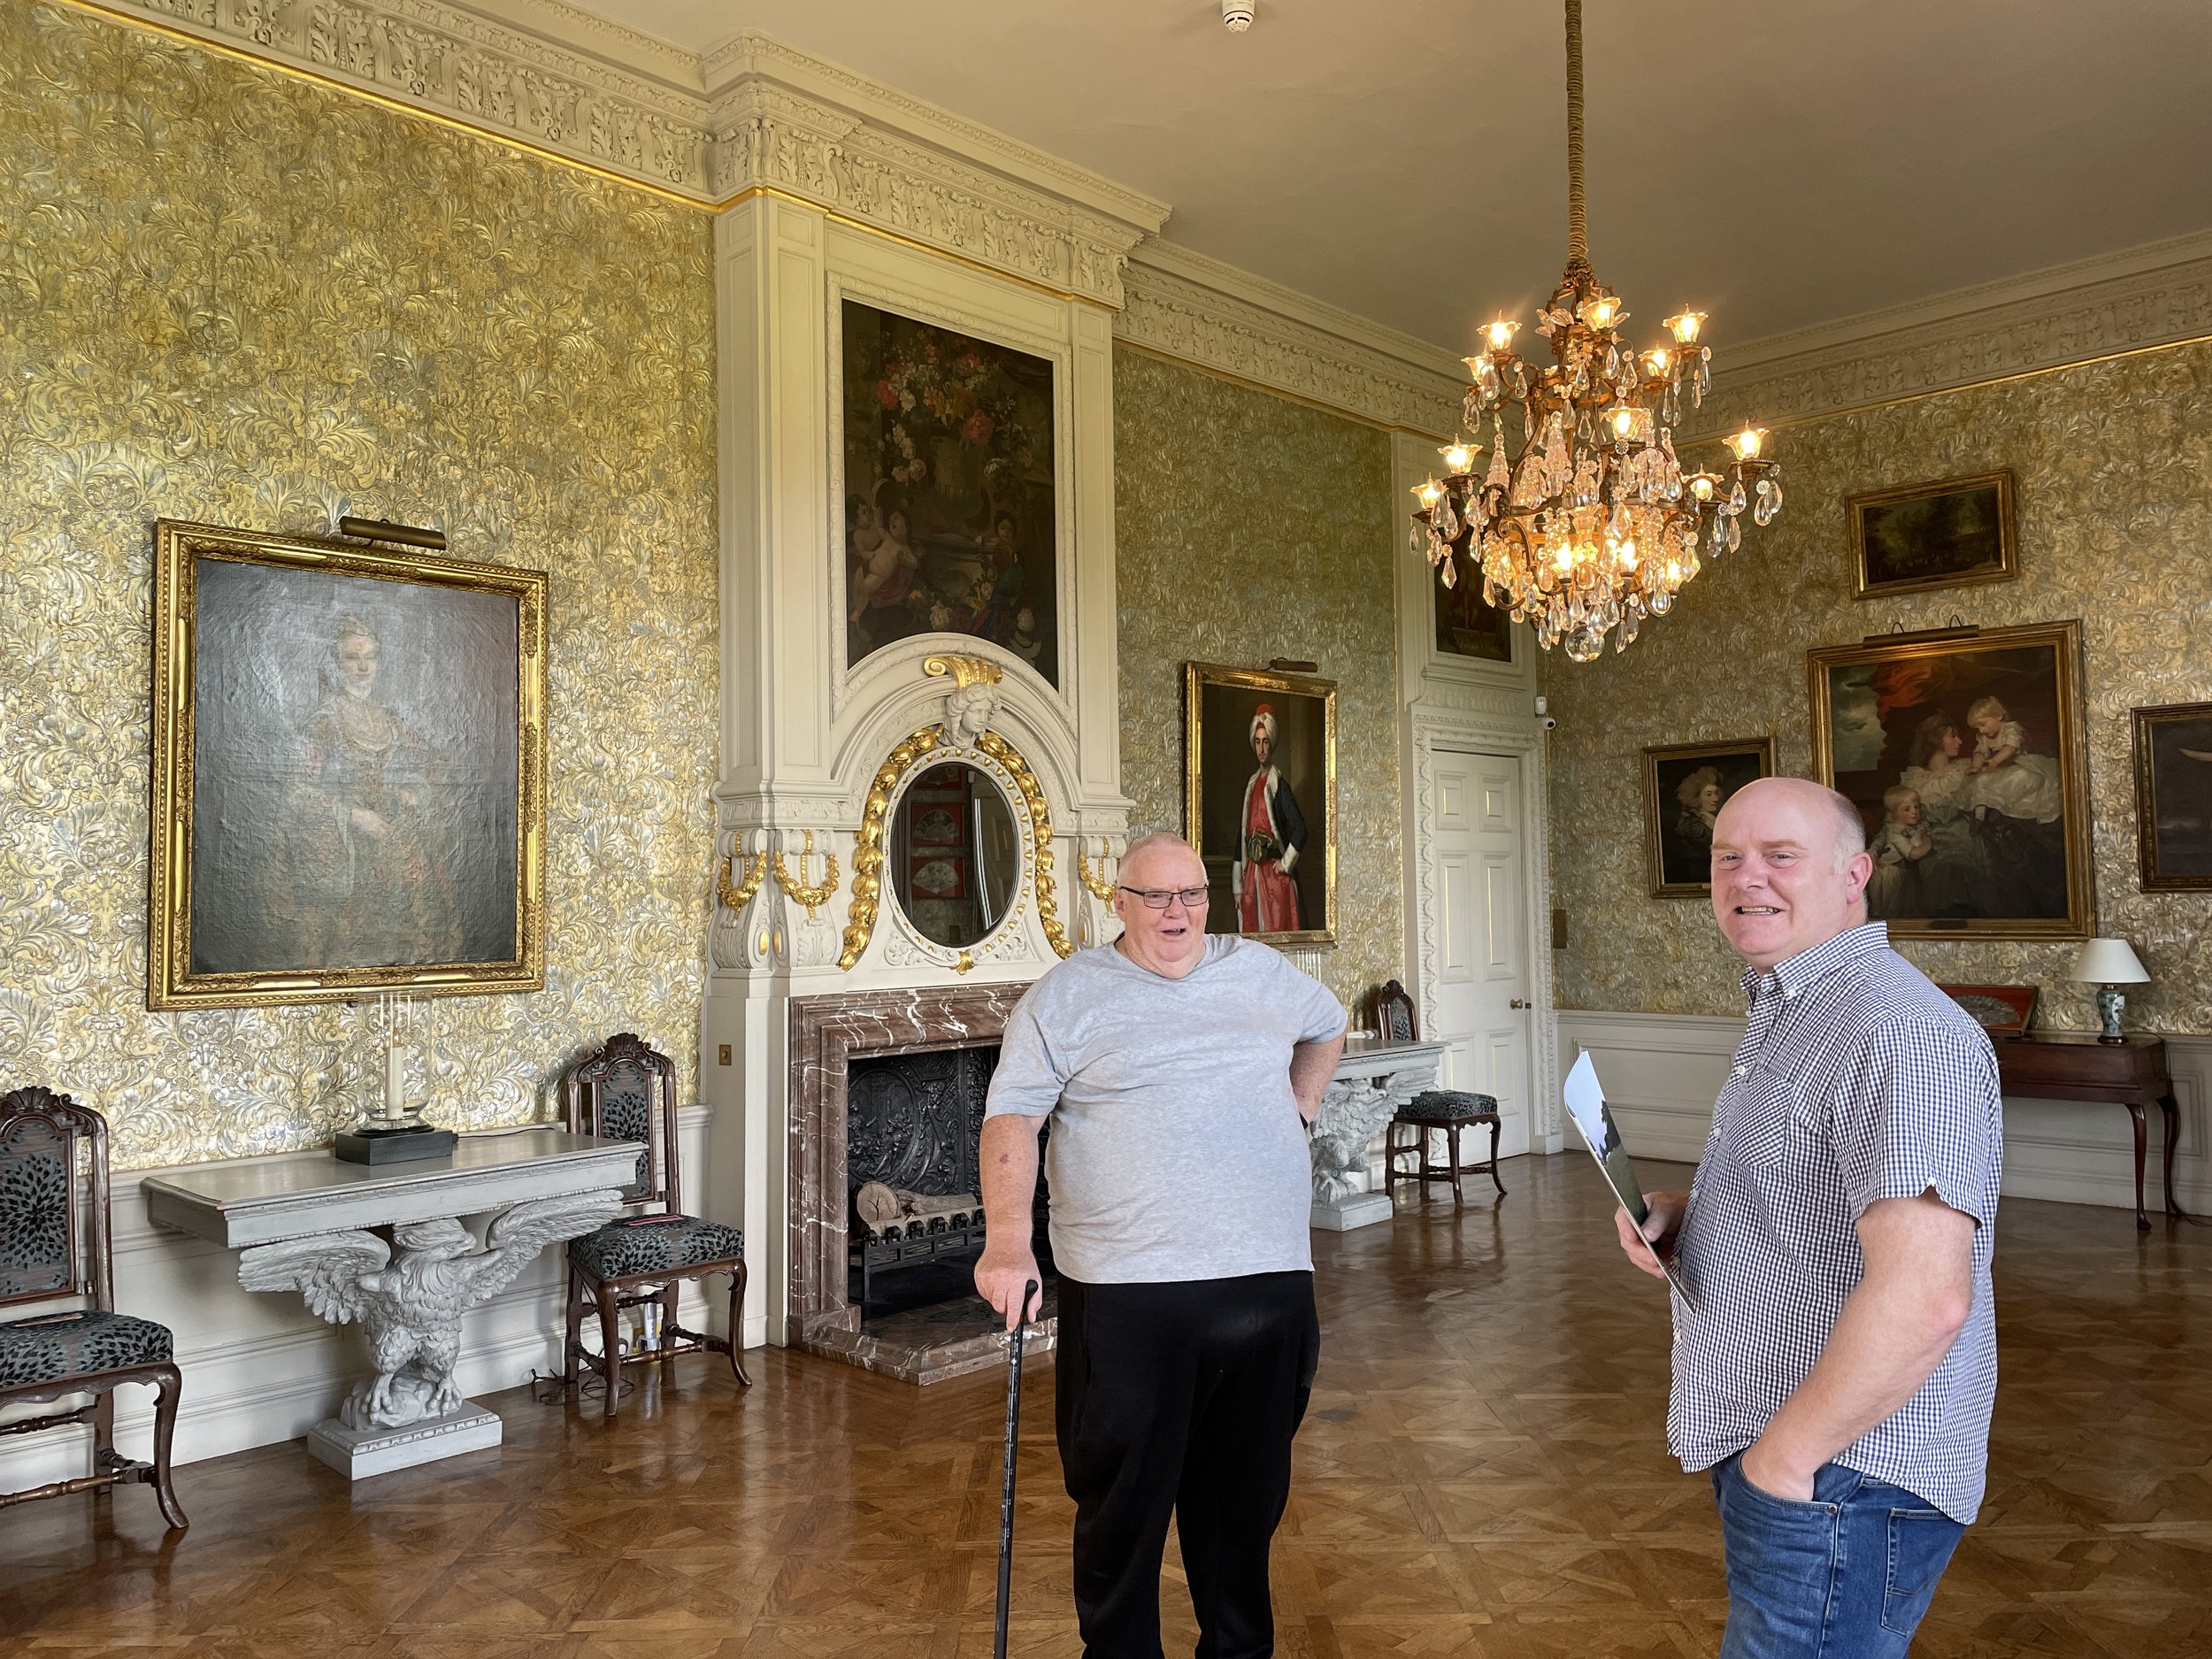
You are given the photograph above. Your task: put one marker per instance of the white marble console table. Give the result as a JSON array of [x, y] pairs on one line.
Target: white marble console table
[[1370, 1084], [303, 1225]]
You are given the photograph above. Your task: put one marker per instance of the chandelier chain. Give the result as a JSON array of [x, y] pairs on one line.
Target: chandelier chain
[[1577, 226]]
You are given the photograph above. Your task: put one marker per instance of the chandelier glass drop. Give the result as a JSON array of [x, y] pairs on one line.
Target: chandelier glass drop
[[1589, 524]]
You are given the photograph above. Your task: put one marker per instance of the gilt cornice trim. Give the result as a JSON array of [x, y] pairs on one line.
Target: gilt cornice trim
[[555, 82], [1200, 311], [2139, 299], [468, 71]]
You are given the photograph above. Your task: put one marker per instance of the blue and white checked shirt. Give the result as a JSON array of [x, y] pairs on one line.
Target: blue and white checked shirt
[[1857, 1081]]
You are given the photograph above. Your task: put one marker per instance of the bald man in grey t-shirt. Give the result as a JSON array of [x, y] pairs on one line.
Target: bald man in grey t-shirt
[[1179, 1072]]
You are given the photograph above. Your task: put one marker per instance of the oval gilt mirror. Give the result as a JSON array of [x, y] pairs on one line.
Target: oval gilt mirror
[[955, 854]]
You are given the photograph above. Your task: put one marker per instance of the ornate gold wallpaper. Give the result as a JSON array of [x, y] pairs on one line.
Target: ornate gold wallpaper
[[1247, 527], [2114, 466], [235, 298]]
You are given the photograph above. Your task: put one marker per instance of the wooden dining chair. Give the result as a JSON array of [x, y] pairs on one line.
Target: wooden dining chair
[[626, 1091], [53, 1248]]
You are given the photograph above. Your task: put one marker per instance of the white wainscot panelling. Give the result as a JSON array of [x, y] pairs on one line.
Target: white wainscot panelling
[[1662, 1071], [260, 1368]]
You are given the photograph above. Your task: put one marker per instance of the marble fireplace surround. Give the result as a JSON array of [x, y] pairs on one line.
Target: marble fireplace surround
[[827, 1035]]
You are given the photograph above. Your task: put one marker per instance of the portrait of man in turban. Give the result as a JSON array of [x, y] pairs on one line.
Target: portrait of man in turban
[[1260, 799], [1274, 835]]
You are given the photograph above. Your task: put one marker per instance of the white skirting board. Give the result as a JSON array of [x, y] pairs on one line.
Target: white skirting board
[[1662, 1071], [259, 1369]]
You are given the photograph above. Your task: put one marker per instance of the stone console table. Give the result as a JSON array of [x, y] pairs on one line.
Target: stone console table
[[303, 1225], [1370, 1083]]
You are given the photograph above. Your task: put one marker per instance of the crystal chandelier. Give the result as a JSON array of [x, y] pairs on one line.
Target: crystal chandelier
[[1590, 524]]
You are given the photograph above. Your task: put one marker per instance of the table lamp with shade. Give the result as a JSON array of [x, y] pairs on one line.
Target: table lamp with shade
[[2108, 964]]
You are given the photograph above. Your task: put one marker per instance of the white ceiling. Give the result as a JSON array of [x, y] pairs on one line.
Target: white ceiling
[[1780, 165]]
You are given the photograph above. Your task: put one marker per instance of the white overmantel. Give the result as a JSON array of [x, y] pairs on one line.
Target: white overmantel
[[807, 740]]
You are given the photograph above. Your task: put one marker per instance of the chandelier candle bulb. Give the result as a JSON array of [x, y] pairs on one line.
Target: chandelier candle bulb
[[1683, 326]]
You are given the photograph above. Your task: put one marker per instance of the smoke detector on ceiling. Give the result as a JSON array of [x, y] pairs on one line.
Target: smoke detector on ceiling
[[1237, 14]]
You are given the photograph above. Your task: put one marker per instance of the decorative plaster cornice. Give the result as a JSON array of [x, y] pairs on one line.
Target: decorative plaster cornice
[[770, 136], [752, 55], [543, 75], [1199, 309], [445, 62], [2157, 294], [599, 37]]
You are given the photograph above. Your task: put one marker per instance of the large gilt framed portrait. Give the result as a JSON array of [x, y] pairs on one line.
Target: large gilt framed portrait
[[348, 767], [951, 525], [1259, 800], [1964, 753], [1943, 535], [1686, 785], [2173, 796]]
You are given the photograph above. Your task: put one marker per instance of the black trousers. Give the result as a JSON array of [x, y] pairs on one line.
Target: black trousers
[[1181, 1399]]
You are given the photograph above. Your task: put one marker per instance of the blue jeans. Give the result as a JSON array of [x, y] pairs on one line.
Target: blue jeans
[[1848, 1575]]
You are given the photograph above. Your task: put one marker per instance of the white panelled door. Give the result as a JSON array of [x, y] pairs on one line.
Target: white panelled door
[[1478, 1005]]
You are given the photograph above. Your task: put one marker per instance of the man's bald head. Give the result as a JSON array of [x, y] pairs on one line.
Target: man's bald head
[[1170, 941], [1850, 828], [1165, 854], [1790, 868]]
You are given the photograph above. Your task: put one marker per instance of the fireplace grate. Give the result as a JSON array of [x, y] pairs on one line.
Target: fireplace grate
[[912, 1124]]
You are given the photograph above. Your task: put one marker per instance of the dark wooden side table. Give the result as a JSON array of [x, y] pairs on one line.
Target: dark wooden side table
[[2130, 1074]]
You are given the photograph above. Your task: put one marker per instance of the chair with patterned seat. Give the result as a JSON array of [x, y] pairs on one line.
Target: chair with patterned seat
[[1444, 1112], [89, 1350], [627, 1092]]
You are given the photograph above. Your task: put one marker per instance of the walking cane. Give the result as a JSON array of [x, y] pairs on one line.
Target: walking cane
[[1006, 1498]]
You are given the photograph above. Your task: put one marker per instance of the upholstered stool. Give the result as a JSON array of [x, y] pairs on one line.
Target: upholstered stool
[[1446, 1110]]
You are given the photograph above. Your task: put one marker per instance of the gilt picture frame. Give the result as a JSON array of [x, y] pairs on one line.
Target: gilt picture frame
[[1259, 800], [1948, 534], [348, 772], [1684, 786], [1964, 753], [2173, 796]]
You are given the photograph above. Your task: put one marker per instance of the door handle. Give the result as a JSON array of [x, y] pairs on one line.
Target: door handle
[[1517, 1003]]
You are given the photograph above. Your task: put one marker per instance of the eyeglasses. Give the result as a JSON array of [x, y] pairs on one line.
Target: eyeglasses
[[1160, 898]]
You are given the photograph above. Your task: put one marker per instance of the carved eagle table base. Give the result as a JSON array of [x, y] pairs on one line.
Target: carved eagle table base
[[1370, 1084], [408, 1298], [301, 1221]]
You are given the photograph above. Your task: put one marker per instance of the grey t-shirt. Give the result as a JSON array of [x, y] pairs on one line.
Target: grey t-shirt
[[1177, 1151]]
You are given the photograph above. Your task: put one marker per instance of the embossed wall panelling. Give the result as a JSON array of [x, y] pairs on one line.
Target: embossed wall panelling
[[1250, 527], [2114, 468], [238, 298]]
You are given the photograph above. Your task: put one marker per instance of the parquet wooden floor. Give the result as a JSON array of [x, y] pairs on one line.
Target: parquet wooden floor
[[1483, 1473]]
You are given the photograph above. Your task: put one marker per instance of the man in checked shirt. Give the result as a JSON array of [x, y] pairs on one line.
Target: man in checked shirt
[[1835, 1349]]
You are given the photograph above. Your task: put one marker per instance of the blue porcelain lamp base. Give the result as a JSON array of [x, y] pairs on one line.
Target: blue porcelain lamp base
[[2110, 1001]]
